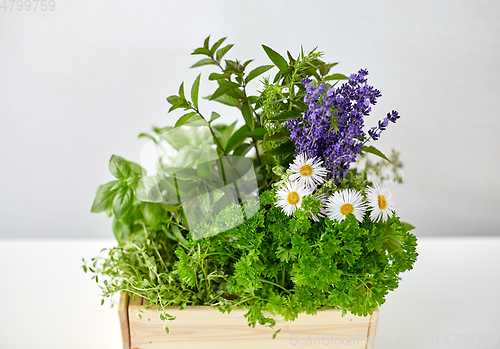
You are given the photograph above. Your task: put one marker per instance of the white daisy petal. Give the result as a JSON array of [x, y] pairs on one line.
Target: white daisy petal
[[307, 171], [380, 202], [290, 196], [343, 202]]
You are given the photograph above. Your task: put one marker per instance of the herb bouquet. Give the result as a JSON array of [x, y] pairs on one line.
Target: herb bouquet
[[281, 216]]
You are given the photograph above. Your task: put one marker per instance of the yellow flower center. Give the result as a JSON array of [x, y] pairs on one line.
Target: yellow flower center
[[345, 209], [382, 202], [306, 170], [293, 198]]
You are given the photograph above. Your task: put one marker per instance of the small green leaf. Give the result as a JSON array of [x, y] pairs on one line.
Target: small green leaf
[[336, 77], [246, 64], [203, 170], [181, 91], [148, 190], [225, 133], [375, 151], [153, 213], [285, 148], [222, 52], [236, 93], [184, 105], [247, 112], [256, 72], [119, 167], [123, 202], [206, 42], [236, 139], [257, 133], [407, 226], [285, 254], [121, 231], [333, 122], [201, 51], [194, 91], [204, 201], [104, 198], [225, 99], [204, 61], [137, 170], [325, 68], [275, 333], [242, 150], [161, 130], [214, 117], [216, 46], [178, 235], [223, 88], [217, 76], [292, 114], [277, 59], [392, 244], [172, 207], [253, 100], [188, 118], [175, 100], [280, 135], [145, 135]]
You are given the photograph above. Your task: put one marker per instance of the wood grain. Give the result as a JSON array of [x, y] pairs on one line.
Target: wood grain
[[372, 330], [123, 317], [136, 300], [205, 327]]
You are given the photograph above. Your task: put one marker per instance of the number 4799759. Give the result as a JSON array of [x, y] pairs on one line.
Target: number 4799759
[[28, 5]]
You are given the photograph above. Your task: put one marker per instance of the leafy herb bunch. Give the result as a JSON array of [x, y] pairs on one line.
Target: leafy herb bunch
[[320, 234]]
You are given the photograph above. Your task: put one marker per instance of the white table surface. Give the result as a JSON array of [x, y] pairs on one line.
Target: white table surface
[[452, 294]]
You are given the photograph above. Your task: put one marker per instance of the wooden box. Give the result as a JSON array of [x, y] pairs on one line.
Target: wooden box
[[205, 327]]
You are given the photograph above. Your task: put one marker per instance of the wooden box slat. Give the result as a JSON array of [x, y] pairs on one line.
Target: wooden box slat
[[123, 317], [205, 327]]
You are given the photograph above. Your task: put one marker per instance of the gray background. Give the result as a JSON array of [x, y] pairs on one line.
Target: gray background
[[81, 82]]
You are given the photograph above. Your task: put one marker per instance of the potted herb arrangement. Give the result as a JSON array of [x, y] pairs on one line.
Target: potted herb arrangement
[[283, 222]]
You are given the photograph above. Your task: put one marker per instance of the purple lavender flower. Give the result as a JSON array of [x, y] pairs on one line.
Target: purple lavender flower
[[332, 128], [393, 116], [375, 132]]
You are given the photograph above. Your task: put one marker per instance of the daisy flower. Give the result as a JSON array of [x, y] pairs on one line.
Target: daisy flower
[[343, 202], [379, 200], [308, 172], [290, 196]]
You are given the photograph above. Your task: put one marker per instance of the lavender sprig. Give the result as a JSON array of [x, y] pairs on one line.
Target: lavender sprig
[[375, 132], [332, 128]]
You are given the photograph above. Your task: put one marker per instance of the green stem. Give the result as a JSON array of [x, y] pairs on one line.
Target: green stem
[[272, 283], [211, 130], [246, 299], [205, 274], [214, 253], [257, 152]]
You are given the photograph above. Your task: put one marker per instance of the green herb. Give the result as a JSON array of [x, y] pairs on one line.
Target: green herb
[[271, 264]]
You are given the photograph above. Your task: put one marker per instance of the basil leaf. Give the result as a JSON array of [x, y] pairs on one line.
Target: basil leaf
[[104, 198], [119, 167]]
